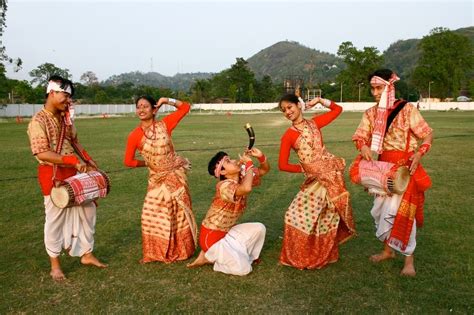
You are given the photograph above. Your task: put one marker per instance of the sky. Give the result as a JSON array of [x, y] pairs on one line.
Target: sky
[[111, 37]]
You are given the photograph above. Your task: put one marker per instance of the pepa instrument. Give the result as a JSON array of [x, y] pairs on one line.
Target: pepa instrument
[[80, 189], [380, 178], [251, 134]]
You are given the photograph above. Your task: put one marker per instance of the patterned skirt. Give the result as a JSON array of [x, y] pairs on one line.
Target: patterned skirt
[[168, 225], [311, 230]]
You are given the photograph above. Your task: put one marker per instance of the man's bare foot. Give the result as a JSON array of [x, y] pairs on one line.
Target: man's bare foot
[[57, 274], [90, 259], [385, 255], [409, 267], [200, 261]]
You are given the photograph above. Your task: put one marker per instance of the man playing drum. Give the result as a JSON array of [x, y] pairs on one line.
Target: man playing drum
[[392, 129], [54, 143]]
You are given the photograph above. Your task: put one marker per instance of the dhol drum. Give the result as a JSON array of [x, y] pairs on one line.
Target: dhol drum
[[380, 178], [80, 189]]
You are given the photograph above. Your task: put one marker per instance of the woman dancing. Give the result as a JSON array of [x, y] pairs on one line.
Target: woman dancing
[[320, 216], [168, 224]]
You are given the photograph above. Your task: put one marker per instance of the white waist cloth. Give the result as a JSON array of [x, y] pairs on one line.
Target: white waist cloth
[[70, 228], [384, 211], [235, 253]]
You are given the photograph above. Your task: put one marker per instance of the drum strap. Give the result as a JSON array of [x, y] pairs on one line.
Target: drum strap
[[400, 104], [59, 146], [394, 113]]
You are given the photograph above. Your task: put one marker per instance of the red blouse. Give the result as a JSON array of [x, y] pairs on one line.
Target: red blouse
[[135, 137], [288, 140]]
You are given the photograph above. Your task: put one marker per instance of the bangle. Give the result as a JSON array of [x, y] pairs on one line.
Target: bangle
[[171, 100], [262, 159], [69, 159], [424, 148], [325, 102], [248, 165], [302, 103], [359, 144]]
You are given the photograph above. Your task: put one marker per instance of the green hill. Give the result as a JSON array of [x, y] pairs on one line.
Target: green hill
[[289, 58], [180, 81], [402, 56]]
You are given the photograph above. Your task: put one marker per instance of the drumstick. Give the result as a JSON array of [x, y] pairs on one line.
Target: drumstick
[[251, 134]]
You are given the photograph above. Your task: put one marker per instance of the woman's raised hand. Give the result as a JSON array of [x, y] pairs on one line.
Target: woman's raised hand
[[161, 101]]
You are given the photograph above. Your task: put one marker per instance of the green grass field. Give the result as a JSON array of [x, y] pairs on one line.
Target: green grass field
[[444, 256]]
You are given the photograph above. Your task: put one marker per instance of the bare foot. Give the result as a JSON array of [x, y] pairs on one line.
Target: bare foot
[[382, 256], [256, 261], [57, 274], [408, 271], [200, 261], [90, 259], [409, 267]]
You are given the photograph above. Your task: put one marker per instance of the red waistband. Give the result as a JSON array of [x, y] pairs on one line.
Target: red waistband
[[396, 157], [45, 176], [208, 237]]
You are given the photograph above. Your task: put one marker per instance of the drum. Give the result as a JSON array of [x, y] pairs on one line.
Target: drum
[[380, 178], [80, 189]]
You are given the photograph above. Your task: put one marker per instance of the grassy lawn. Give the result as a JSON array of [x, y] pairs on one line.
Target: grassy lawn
[[444, 256]]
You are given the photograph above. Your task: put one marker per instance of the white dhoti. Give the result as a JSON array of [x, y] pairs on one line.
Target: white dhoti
[[70, 228], [384, 211], [235, 253]]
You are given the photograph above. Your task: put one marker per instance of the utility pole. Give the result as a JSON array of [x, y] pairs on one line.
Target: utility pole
[[429, 94], [341, 93], [359, 89]]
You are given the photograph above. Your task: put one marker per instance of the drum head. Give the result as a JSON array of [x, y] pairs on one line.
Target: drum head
[[402, 177], [60, 196]]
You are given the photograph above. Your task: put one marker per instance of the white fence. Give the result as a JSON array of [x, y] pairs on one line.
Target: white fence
[[28, 110]]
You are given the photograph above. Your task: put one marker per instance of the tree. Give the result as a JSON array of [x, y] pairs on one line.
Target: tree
[[265, 90], [41, 74], [17, 63], [251, 92], [89, 78], [233, 92], [200, 91], [101, 98], [360, 63], [236, 84], [3, 14], [241, 76], [447, 60]]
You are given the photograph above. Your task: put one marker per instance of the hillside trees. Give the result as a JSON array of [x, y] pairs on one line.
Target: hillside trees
[[360, 63], [236, 84], [447, 60]]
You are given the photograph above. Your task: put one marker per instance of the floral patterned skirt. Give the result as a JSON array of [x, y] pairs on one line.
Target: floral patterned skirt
[[311, 233]]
